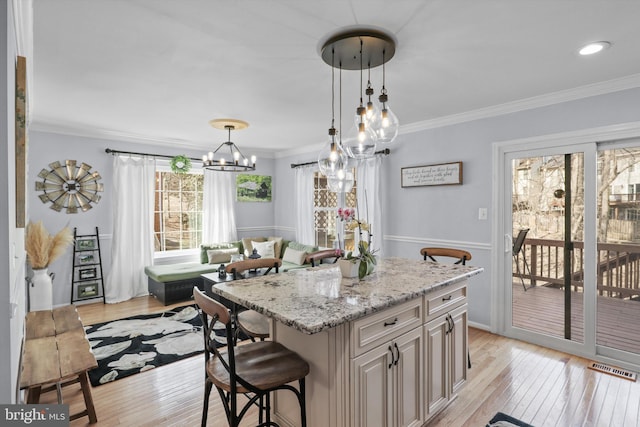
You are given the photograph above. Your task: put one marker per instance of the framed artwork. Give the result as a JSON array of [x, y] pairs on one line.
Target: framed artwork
[[438, 174], [85, 244], [87, 290], [87, 273], [86, 259], [253, 188], [21, 139]]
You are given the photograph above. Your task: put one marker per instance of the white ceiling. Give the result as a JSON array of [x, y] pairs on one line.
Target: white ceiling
[[159, 70]]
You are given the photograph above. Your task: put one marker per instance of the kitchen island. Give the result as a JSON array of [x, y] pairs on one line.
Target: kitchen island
[[389, 350]]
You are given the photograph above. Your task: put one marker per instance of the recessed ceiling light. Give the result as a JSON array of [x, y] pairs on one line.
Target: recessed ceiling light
[[592, 48]]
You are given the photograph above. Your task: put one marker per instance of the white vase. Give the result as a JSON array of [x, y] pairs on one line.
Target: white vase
[[40, 291], [348, 268]]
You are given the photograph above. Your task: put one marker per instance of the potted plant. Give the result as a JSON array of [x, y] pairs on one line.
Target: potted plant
[[363, 262], [42, 249]]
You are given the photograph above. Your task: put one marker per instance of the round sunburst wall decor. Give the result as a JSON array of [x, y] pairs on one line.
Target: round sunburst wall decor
[[69, 186]]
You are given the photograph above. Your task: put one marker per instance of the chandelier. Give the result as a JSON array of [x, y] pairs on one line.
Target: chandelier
[[361, 49], [228, 157]]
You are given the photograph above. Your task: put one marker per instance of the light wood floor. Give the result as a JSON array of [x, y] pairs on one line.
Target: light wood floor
[[538, 385]]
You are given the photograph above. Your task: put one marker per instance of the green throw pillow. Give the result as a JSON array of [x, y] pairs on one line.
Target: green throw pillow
[[204, 256], [300, 247]]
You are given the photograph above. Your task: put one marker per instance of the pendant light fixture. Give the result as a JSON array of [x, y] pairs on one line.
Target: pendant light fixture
[[387, 128], [333, 161], [352, 49], [232, 159]]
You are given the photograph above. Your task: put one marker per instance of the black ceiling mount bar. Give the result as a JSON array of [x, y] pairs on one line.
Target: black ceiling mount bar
[[134, 153], [385, 152]]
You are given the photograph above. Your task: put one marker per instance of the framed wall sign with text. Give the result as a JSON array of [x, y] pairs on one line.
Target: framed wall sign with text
[[438, 174]]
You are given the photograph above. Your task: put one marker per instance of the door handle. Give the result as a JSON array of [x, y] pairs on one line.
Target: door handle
[[391, 323], [453, 325], [398, 354], [392, 357]]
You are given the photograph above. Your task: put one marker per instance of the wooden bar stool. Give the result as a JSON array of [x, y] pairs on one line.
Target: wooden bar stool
[[252, 323], [254, 369]]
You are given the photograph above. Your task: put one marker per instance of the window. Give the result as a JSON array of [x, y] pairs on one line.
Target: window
[[329, 231], [178, 211]]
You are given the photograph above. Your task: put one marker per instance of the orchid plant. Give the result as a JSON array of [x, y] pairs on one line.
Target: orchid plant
[[365, 254]]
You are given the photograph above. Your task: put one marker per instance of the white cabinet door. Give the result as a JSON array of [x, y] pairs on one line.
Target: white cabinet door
[[408, 374], [458, 355], [372, 387], [387, 385], [435, 375], [446, 353]]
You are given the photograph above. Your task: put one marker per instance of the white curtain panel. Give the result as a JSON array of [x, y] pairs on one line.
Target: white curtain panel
[[132, 245], [218, 207], [370, 199], [304, 205]]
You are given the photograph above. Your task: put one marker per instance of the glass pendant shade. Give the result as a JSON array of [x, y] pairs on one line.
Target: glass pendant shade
[[387, 128], [341, 182], [360, 148], [332, 159]]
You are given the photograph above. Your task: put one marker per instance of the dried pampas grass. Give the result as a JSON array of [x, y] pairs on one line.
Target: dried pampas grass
[[42, 248]]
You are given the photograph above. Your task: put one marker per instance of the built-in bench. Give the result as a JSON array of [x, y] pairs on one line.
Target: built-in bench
[[171, 283]]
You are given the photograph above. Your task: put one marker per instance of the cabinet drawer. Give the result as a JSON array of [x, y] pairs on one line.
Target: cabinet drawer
[[444, 299], [377, 328]]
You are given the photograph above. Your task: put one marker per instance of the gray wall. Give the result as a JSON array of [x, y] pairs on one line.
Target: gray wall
[[45, 148], [448, 215]]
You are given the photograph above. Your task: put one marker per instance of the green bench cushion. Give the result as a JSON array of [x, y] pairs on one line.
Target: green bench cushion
[[181, 271]]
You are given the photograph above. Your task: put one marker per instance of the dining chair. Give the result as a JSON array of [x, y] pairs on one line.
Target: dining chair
[[518, 248], [252, 323], [254, 369], [461, 255], [324, 256]]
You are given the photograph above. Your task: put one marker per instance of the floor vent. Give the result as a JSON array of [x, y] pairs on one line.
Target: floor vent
[[601, 367]]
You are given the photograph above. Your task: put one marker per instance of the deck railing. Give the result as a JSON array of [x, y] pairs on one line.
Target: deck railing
[[618, 267]]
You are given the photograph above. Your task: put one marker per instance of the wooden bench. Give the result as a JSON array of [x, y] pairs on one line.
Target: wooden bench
[[56, 353]]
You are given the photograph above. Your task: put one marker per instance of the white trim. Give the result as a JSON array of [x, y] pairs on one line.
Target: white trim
[[256, 228], [601, 88], [480, 326], [438, 242], [283, 228], [23, 23]]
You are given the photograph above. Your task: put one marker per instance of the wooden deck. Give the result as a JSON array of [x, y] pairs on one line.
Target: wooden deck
[[541, 309]]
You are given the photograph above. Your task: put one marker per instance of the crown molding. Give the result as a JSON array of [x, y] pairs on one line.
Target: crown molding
[[595, 89], [111, 135], [602, 88]]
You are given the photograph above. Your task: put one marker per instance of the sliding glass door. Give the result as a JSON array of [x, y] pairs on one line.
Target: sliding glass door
[[547, 225], [572, 279], [618, 256]]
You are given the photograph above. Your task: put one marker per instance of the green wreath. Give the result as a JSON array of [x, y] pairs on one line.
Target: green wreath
[[180, 164]]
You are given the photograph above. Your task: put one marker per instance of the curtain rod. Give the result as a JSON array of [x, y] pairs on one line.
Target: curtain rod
[[385, 152], [163, 156]]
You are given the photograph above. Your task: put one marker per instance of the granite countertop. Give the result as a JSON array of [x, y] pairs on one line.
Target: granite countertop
[[315, 299]]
